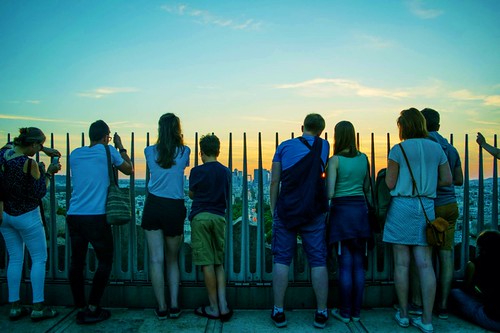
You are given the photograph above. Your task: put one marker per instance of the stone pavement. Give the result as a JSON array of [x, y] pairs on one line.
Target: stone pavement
[[243, 321]]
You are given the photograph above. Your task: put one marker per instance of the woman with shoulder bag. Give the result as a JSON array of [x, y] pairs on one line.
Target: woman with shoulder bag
[[405, 226]]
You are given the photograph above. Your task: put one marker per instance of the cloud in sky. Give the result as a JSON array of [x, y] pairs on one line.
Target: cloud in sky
[[418, 9], [30, 101], [27, 118], [323, 87], [466, 95], [374, 42], [106, 91], [205, 17]]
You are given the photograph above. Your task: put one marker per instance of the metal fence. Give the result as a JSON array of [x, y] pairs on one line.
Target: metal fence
[[248, 255]]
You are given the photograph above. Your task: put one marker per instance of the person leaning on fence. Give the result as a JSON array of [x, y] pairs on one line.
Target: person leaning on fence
[[298, 202], [481, 141], [24, 183], [86, 218], [209, 187], [165, 211], [348, 187], [406, 224], [478, 300]]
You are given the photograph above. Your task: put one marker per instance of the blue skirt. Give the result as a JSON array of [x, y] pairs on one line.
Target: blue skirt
[[405, 223], [348, 219]]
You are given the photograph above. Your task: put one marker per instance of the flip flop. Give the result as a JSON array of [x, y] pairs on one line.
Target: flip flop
[[226, 316], [202, 312]]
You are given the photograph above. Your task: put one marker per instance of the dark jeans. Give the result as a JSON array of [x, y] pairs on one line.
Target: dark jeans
[[93, 229], [351, 277], [472, 309]]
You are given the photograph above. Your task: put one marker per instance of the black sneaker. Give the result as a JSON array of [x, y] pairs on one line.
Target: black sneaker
[[279, 319], [442, 314], [174, 313], [320, 320], [91, 317], [161, 315]]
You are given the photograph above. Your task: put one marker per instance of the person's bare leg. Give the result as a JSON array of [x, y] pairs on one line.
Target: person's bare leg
[[416, 294], [155, 242], [423, 260], [221, 288], [280, 283], [173, 245], [445, 276], [211, 285], [319, 278], [401, 276]]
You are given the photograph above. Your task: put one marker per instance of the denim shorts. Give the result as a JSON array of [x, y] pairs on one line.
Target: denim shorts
[[313, 237]]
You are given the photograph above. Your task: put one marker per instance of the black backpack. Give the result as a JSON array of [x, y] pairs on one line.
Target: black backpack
[[382, 198]]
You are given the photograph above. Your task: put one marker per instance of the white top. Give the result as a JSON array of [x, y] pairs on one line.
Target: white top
[[425, 157], [167, 183], [89, 175]]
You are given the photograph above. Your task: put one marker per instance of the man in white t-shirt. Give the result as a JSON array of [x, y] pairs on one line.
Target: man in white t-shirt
[[87, 217]]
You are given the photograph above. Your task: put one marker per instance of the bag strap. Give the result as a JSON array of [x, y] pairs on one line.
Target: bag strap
[[414, 183], [372, 191], [110, 167], [308, 145]]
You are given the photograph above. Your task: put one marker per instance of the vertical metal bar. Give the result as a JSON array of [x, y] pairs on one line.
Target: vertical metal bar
[[196, 149], [494, 195], [53, 257], [245, 249], [230, 229], [261, 236], [132, 228], [480, 194], [466, 208], [68, 198], [357, 141], [146, 249]]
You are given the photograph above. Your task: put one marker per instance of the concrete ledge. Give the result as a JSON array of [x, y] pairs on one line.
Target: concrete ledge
[[240, 296]]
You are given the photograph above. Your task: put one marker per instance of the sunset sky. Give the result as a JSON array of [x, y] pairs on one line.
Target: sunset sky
[[248, 66]]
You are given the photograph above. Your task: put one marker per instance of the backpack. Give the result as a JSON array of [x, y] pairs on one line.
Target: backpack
[[382, 199], [303, 188]]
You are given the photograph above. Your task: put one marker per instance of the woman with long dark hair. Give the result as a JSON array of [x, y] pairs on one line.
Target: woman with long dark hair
[[25, 183], [165, 211], [406, 223], [347, 187]]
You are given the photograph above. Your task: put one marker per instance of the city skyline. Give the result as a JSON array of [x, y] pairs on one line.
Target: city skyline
[[248, 67]]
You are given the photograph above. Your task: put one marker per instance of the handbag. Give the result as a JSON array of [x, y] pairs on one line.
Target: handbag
[[118, 207], [435, 229], [370, 204]]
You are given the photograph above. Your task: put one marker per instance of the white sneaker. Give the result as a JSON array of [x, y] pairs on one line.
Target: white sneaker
[[403, 322], [425, 328], [337, 315]]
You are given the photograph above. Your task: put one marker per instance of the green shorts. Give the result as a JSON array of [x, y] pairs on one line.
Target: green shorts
[[208, 233], [450, 213]]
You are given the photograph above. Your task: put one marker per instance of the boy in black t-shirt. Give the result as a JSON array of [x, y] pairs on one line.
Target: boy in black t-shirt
[[209, 188]]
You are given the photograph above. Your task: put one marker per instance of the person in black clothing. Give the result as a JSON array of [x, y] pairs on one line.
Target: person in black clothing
[[478, 300]]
